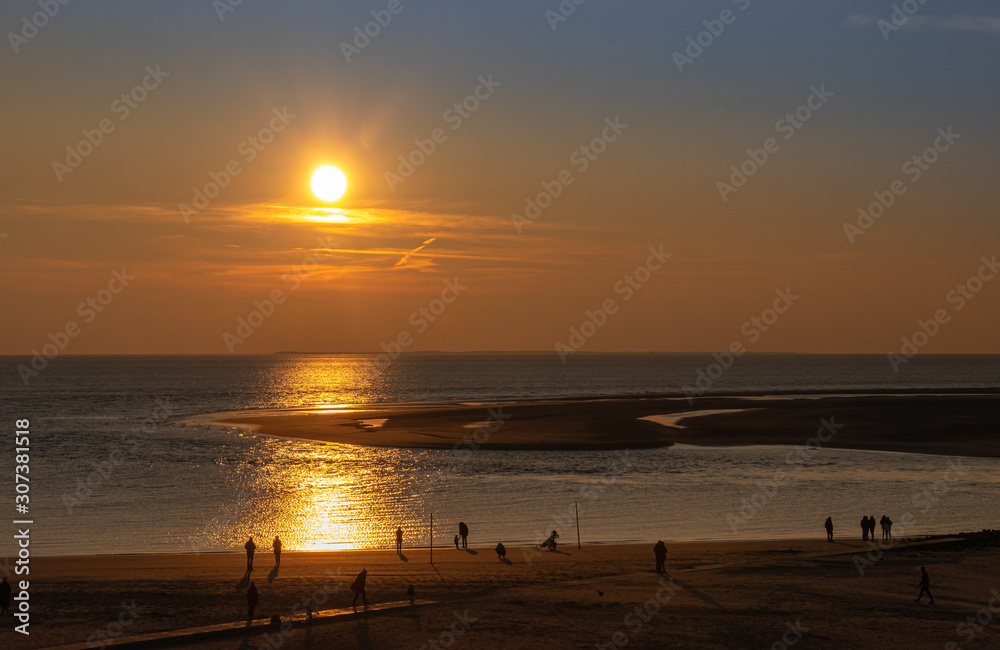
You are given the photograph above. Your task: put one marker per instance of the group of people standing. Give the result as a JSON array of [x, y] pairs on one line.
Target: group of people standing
[[868, 527]]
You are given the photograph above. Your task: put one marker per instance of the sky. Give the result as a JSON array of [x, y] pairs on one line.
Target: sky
[[628, 122]]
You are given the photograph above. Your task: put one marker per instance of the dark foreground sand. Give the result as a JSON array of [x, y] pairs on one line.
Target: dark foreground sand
[[963, 425], [727, 595]]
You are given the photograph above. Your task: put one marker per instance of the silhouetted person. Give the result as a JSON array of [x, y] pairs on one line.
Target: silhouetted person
[[882, 523], [411, 594], [660, 551], [4, 596], [252, 600], [277, 551], [925, 585], [829, 529], [501, 551], [359, 589], [250, 547], [399, 540], [550, 542], [456, 543], [864, 528], [888, 528], [871, 528], [463, 530]]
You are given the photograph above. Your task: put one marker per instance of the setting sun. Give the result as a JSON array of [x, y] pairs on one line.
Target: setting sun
[[328, 183]]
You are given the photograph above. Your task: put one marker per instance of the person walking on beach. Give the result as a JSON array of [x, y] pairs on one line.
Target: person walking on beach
[[358, 588], [871, 528], [250, 547], [829, 529], [501, 551], [252, 600], [456, 543], [277, 551], [660, 551], [4, 596], [399, 540], [864, 528], [463, 530], [925, 585]]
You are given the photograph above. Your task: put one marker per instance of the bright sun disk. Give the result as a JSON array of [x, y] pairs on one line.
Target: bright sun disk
[[328, 183]]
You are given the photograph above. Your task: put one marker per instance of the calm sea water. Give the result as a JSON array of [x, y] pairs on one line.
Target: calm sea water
[[111, 474]]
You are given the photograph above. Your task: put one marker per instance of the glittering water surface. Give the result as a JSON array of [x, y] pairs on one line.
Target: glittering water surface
[[111, 474]]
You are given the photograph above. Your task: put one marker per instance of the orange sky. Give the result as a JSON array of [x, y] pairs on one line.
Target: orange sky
[[541, 96]]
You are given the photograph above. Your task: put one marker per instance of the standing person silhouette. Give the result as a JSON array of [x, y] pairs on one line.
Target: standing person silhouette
[[882, 523], [456, 543], [252, 600], [358, 588], [5, 595], [871, 528], [250, 547], [463, 530], [829, 529], [399, 540], [864, 528], [501, 551], [888, 528], [660, 551], [925, 585], [277, 551]]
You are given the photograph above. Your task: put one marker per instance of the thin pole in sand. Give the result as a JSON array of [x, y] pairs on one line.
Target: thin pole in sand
[[577, 506], [432, 538]]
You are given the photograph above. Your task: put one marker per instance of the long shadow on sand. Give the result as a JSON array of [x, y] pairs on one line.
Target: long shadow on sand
[[274, 573], [403, 557], [362, 635], [506, 561], [471, 552], [700, 595], [244, 581]]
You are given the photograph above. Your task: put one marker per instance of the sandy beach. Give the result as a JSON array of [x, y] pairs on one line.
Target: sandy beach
[[955, 424], [714, 595]]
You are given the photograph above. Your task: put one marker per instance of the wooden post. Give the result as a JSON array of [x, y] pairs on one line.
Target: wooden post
[[577, 506], [432, 538]]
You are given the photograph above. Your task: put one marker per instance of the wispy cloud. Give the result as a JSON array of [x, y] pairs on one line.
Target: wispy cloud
[[960, 23]]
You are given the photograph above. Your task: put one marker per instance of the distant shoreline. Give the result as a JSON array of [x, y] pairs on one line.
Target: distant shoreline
[[957, 422]]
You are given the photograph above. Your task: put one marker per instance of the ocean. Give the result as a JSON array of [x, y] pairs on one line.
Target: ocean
[[122, 461]]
